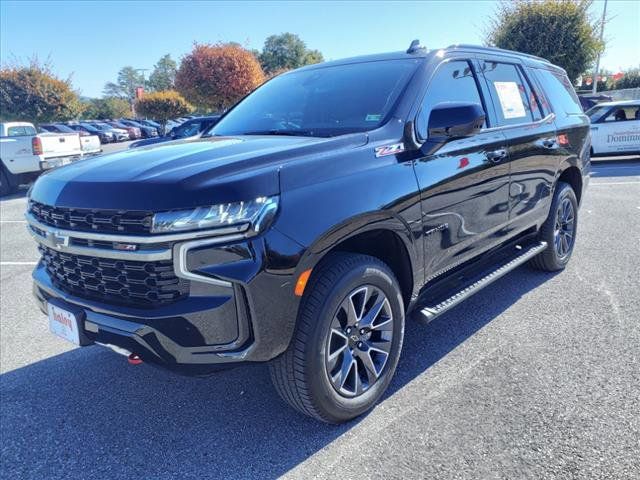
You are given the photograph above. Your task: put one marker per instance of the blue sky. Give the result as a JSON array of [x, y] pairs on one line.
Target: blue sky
[[92, 40]]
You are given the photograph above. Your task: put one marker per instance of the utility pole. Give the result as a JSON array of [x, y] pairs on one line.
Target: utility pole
[[595, 73]]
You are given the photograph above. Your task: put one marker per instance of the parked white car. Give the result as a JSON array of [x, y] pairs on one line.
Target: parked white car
[[615, 128], [24, 153]]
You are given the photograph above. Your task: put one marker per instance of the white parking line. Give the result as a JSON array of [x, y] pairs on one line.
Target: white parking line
[[13, 221], [613, 183], [615, 167], [18, 263]]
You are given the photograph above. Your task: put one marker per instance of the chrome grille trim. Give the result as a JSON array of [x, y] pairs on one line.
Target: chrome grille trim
[[141, 256], [138, 239]]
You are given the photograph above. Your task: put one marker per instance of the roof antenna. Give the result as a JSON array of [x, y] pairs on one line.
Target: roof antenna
[[415, 46]]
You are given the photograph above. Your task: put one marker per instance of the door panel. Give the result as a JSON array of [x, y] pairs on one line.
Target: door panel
[[464, 200], [618, 131], [531, 139], [464, 186], [534, 160]]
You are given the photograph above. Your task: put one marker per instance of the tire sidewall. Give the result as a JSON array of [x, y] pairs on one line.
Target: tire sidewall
[[333, 405], [565, 191]]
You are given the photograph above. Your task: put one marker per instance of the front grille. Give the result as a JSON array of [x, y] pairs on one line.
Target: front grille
[[139, 284], [92, 220]]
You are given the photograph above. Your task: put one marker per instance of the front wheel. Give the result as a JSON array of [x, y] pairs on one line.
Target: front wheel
[[559, 231], [347, 342]]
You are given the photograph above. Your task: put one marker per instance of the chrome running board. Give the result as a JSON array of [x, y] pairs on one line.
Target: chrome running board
[[429, 313]]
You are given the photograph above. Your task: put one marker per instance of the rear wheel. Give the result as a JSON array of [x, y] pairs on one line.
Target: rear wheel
[[559, 230], [347, 342]]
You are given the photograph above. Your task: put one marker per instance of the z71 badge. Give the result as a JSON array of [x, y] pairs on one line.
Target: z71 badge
[[389, 149]]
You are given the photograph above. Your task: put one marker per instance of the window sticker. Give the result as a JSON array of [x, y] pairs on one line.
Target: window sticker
[[510, 99], [371, 117]]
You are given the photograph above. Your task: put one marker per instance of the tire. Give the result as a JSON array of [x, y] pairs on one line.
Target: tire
[[559, 235], [8, 182], [302, 375]]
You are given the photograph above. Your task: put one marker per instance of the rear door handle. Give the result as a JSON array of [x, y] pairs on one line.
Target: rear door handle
[[497, 155]]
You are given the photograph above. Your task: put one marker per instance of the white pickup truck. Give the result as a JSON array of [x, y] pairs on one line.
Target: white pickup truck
[[90, 143], [24, 153]]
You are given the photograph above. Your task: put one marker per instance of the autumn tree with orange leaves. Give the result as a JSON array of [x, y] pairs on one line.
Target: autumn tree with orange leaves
[[214, 77]]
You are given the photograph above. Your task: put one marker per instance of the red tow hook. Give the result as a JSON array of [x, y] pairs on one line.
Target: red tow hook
[[134, 359]]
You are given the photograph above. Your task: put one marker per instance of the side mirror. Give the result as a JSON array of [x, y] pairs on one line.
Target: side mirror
[[449, 121]]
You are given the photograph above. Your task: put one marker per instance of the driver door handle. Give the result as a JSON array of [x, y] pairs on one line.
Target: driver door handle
[[497, 155]]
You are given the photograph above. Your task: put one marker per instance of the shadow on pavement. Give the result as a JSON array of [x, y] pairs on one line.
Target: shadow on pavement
[[21, 193], [617, 168], [88, 414]]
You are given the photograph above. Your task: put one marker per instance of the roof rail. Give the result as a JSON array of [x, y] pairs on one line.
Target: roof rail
[[496, 49]]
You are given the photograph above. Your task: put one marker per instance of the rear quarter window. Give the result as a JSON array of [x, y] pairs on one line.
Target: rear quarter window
[[21, 131], [559, 91]]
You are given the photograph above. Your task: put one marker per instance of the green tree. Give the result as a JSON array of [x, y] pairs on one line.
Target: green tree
[[125, 86], [286, 51], [161, 106], [34, 93], [313, 56], [559, 30], [631, 79], [163, 76], [110, 107]]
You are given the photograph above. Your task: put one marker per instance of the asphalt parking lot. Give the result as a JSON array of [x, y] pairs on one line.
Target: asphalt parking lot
[[536, 377]]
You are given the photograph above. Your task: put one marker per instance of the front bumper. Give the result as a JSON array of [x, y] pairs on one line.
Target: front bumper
[[240, 306]]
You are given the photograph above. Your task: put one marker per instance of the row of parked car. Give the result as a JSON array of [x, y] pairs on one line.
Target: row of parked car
[[108, 131], [125, 129]]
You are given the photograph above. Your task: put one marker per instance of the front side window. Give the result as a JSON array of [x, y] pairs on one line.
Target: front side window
[[513, 99], [623, 114], [322, 102], [454, 81]]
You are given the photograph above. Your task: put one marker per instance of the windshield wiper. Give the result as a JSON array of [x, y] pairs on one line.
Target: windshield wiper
[[288, 133]]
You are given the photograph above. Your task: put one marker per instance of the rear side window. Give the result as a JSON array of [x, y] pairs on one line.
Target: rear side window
[[454, 81], [514, 101], [560, 92], [21, 131]]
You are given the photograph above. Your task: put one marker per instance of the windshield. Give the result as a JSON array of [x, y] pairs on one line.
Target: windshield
[[596, 112], [322, 102], [64, 128]]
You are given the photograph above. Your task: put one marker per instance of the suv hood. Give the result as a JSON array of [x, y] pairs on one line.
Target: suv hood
[[182, 174]]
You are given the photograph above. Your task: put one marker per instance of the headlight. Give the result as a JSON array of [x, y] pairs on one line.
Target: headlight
[[226, 214]]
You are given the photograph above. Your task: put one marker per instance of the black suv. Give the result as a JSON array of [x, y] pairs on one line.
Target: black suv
[[320, 212]]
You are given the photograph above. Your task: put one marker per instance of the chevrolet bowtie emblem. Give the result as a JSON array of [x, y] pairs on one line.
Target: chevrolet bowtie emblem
[[59, 240]]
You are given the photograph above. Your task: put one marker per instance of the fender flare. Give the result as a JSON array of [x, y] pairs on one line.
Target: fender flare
[[357, 225]]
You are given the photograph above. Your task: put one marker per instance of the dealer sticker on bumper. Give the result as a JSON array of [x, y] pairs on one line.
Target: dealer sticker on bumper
[[64, 324]]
